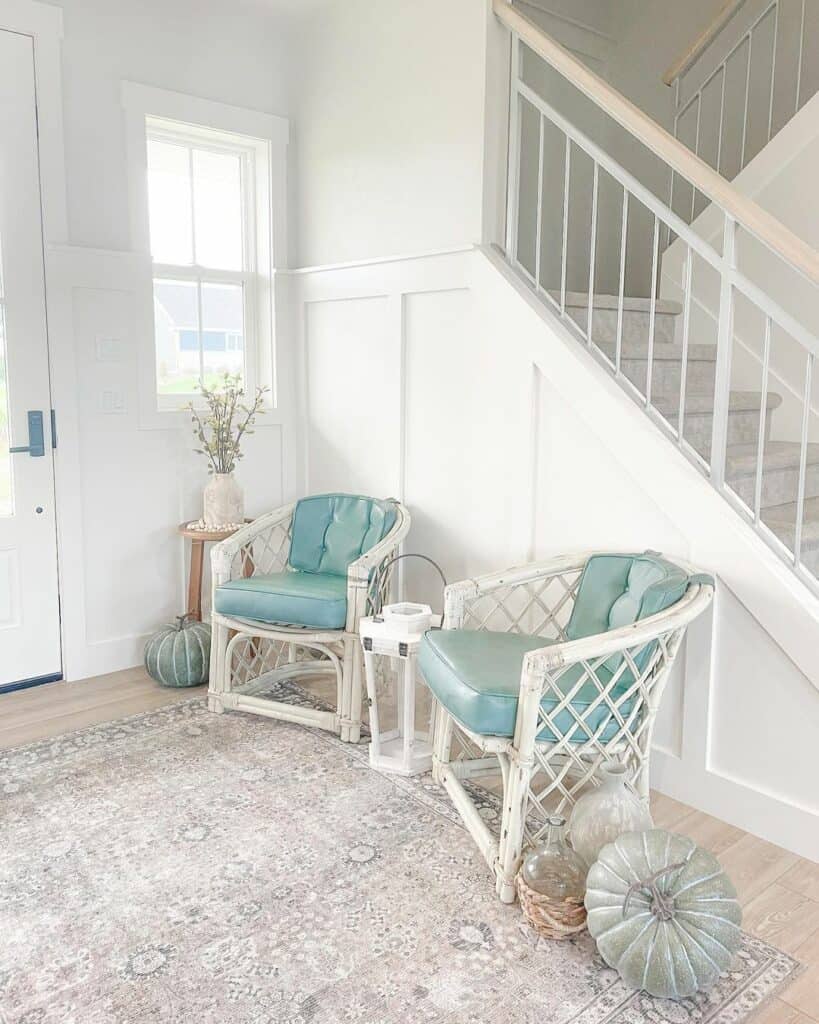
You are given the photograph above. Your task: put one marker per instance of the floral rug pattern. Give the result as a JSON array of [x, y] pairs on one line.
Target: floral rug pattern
[[189, 868]]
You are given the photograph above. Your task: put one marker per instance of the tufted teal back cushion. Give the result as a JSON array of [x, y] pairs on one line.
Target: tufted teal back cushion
[[616, 590], [331, 530]]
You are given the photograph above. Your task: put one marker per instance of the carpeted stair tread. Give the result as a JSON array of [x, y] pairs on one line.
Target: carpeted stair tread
[[741, 458], [703, 405], [663, 351], [631, 303]]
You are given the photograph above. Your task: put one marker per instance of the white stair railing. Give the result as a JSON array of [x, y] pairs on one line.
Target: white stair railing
[[760, 44], [553, 240]]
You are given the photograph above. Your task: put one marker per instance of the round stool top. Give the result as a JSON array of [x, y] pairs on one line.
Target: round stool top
[[207, 533]]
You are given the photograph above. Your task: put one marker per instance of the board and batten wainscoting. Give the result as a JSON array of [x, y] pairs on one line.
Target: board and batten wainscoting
[[428, 379]]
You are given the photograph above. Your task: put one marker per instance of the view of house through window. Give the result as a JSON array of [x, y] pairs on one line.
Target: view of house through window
[[203, 255]]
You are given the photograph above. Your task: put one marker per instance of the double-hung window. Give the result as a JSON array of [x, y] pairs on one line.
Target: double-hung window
[[204, 212], [209, 225]]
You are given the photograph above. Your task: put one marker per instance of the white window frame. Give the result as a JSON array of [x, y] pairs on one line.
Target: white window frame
[[263, 138], [253, 156]]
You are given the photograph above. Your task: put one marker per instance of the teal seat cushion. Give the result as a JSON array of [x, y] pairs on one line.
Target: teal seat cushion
[[475, 675], [331, 530], [287, 598]]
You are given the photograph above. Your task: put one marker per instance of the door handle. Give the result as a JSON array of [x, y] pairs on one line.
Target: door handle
[[36, 439]]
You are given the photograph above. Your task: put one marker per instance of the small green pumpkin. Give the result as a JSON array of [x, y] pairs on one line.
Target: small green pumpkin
[[179, 654], [663, 913]]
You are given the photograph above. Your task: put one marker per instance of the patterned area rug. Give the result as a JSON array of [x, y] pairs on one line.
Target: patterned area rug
[[188, 868]]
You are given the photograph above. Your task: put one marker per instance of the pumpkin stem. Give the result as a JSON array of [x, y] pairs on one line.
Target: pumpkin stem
[[182, 619], [661, 905]]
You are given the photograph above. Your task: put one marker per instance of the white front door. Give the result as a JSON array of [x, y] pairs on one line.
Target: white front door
[[29, 602]]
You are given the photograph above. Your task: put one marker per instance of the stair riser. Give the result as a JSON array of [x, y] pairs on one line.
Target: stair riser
[[743, 428], [635, 325], [779, 486], [666, 375]]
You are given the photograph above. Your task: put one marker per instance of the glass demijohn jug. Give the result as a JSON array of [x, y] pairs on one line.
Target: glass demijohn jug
[[552, 885]]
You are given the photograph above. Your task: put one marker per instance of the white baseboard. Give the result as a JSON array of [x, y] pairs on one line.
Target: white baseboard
[[762, 814]]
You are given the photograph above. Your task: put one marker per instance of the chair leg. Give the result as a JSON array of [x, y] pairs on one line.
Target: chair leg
[[442, 743], [641, 783], [354, 728], [516, 790], [218, 683], [345, 692]]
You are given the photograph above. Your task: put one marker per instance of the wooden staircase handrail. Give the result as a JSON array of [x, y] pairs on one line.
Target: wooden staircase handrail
[[687, 59]]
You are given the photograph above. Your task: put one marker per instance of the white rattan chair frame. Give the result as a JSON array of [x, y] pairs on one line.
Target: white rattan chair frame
[[249, 656], [541, 776]]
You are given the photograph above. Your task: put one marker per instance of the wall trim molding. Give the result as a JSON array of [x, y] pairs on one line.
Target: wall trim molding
[[785, 822], [375, 261], [549, 356]]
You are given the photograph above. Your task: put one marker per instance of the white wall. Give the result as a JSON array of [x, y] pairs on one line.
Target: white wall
[[202, 47], [509, 442], [389, 112], [656, 35], [122, 490]]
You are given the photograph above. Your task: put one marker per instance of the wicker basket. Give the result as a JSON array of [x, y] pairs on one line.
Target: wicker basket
[[553, 919]]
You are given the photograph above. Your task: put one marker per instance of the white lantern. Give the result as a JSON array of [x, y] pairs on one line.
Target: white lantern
[[395, 636]]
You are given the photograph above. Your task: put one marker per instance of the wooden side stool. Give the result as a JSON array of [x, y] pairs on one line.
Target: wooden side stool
[[198, 539]]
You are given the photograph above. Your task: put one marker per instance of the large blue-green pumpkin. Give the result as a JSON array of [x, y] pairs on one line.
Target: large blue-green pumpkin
[[179, 654], [664, 914]]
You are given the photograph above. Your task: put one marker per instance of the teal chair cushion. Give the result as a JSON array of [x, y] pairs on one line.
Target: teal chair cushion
[[475, 675], [288, 598], [331, 530], [617, 590]]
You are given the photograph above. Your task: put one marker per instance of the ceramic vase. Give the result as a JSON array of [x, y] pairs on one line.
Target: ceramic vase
[[604, 813], [224, 501]]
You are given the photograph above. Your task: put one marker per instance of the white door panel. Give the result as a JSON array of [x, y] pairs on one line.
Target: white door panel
[[29, 604]]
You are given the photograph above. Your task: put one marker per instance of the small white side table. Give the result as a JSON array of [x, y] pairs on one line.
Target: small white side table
[[403, 750]]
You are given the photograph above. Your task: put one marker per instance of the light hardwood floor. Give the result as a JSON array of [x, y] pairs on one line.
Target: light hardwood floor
[[779, 891]]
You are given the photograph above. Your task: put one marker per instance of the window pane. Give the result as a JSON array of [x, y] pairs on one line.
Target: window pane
[[223, 331], [176, 328], [169, 202], [218, 210], [6, 502]]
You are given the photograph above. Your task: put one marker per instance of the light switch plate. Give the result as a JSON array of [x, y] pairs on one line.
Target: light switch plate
[[112, 403], [109, 349]]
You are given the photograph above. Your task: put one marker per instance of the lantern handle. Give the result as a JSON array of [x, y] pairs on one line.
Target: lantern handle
[[382, 571]]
